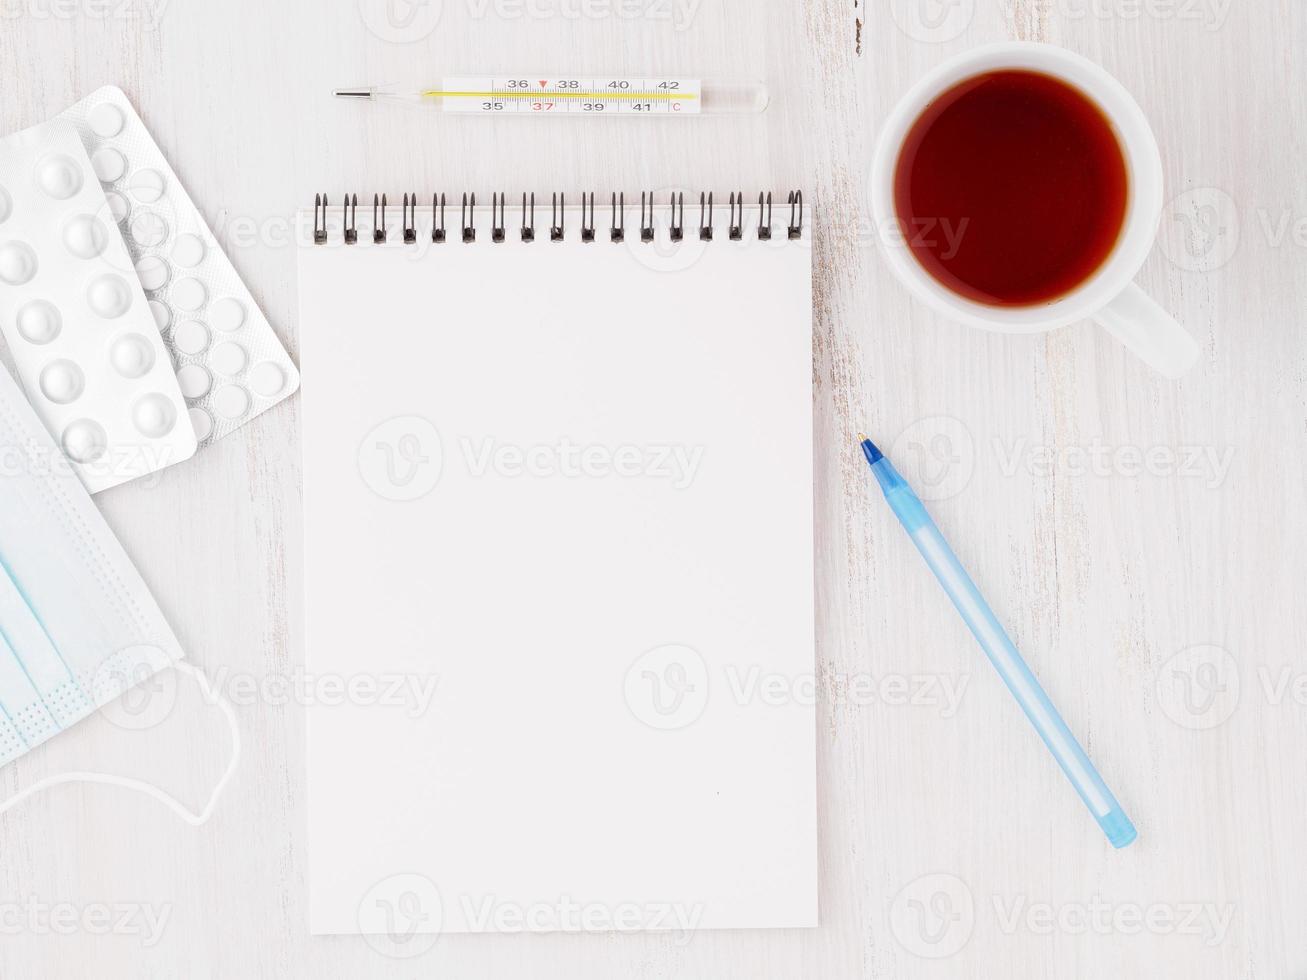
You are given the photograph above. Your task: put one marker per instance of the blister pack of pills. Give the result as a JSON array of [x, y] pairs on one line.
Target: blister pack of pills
[[230, 365], [76, 319]]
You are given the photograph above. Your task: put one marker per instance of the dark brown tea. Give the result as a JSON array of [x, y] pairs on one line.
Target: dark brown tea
[[1011, 188]]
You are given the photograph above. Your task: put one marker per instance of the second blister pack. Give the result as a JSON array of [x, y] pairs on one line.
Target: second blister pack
[[230, 365]]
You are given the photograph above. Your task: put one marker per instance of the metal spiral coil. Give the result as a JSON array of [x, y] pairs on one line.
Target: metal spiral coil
[[675, 206]]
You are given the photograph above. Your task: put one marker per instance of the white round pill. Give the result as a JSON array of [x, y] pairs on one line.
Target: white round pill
[[231, 401], [62, 382], [6, 205], [154, 415], [118, 206], [106, 120], [85, 441], [194, 381], [148, 229], [152, 271], [85, 236], [109, 295], [59, 176], [188, 251], [17, 263], [189, 294], [132, 355], [162, 315], [267, 379], [227, 314], [146, 185], [39, 322], [191, 337], [202, 423], [109, 164], [228, 358]]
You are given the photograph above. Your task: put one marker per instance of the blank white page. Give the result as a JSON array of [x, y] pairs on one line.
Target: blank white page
[[558, 506]]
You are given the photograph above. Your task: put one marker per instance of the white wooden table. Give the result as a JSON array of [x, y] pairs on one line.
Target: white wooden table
[[1142, 539]]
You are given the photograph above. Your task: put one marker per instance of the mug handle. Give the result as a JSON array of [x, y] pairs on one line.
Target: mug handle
[[1148, 330]]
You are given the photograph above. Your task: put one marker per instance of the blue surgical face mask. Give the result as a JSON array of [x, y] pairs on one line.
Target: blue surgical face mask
[[77, 624]]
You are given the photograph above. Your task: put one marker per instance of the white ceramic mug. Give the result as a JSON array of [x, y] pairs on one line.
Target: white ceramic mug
[[1108, 296]]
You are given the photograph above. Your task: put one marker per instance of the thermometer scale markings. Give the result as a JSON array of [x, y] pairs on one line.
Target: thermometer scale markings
[[567, 95]]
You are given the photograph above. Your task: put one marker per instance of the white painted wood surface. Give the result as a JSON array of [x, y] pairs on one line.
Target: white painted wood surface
[[1157, 596]]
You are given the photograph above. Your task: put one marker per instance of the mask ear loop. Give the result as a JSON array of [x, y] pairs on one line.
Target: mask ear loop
[[149, 789]]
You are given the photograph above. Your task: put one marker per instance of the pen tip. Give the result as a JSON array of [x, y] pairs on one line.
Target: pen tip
[[869, 449]]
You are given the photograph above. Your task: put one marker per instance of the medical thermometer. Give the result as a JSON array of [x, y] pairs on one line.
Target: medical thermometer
[[574, 96]]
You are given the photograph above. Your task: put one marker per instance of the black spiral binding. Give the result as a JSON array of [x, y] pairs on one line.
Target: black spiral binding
[[588, 220], [379, 228], [469, 219], [646, 220], [410, 219], [529, 228], [351, 219], [557, 217], [617, 229], [320, 219], [677, 225], [497, 217], [437, 226], [795, 227]]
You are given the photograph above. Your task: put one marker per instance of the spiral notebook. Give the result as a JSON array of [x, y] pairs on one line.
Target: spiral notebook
[[559, 565]]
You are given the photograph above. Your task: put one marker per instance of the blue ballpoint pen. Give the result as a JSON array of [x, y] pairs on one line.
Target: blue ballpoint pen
[[1000, 650]]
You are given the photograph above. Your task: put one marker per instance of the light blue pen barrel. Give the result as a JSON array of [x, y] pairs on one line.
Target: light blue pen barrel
[[1000, 650]]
